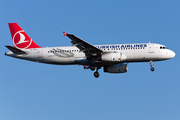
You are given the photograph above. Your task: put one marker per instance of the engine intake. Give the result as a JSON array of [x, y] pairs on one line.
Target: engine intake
[[118, 68]]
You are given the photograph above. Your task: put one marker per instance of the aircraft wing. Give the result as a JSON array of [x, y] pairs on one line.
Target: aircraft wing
[[85, 47]]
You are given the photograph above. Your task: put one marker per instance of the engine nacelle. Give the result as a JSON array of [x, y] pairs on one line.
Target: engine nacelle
[[118, 68], [110, 57]]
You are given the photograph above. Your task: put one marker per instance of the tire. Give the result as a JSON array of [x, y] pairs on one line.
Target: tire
[[92, 68], [152, 69], [96, 74]]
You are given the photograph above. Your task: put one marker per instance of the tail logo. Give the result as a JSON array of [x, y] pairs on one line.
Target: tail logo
[[21, 40]]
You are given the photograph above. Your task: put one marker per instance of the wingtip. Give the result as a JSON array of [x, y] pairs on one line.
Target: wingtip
[[65, 33]]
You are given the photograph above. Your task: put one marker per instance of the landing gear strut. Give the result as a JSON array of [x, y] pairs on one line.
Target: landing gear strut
[[96, 74], [151, 63]]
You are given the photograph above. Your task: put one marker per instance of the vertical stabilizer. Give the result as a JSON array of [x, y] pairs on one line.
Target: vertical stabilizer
[[20, 39]]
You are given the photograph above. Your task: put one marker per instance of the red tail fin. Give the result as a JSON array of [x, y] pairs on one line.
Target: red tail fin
[[20, 39]]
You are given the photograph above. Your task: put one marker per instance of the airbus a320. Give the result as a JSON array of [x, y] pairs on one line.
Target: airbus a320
[[112, 58]]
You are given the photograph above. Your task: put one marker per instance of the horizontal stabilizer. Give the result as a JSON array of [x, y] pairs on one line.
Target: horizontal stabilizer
[[15, 50]]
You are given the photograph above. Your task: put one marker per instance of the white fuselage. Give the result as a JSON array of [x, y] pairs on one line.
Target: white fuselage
[[140, 52]]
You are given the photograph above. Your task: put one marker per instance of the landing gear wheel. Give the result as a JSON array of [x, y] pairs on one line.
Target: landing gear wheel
[[96, 74], [152, 69], [92, 67], [151, 63]]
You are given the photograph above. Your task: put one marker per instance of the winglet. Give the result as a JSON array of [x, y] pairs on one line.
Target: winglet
[[65, 33]]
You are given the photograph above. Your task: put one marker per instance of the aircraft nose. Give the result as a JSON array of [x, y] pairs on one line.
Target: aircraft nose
[[172, 54]]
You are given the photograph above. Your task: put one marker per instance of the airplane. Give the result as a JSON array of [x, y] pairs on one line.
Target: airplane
[[113, 57]]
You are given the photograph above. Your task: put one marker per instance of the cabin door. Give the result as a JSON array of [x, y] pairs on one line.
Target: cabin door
[[151, 48]]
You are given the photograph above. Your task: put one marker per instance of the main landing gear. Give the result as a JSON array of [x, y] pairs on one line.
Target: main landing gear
[[92, 67], [151, 63], [96, 73]]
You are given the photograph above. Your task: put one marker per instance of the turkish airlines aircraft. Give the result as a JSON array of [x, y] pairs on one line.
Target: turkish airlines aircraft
[[113, 58]]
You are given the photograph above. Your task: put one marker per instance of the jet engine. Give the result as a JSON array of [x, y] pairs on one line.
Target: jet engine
[[110, 57], [118, 68]]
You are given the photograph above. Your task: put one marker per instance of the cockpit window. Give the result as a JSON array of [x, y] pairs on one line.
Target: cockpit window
[[163, 47]]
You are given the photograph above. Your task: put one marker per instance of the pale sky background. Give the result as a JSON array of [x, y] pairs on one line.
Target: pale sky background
[[35, 91]]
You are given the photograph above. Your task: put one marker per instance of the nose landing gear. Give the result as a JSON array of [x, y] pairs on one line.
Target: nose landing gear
[[151, 63]]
